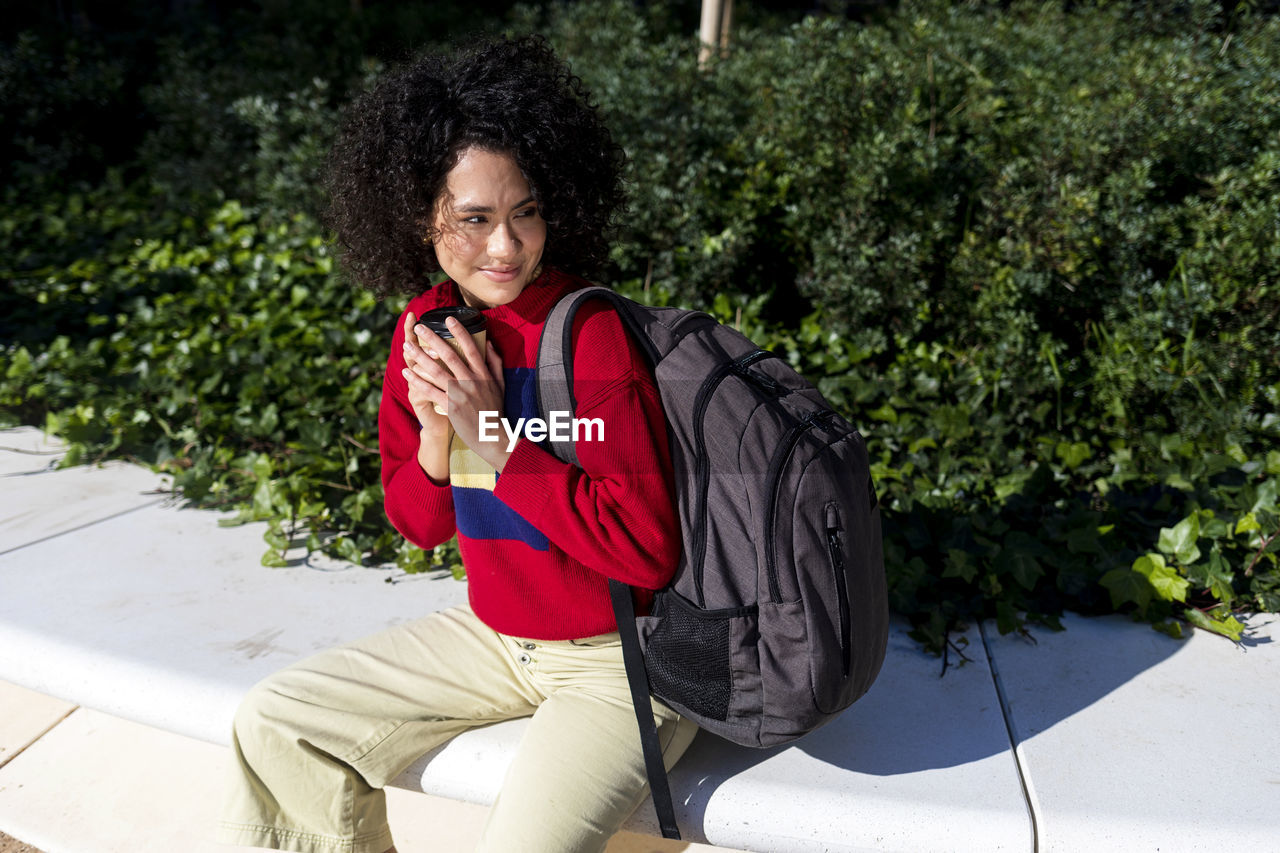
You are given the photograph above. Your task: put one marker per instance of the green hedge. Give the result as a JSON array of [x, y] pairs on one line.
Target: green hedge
[[1032, 253]]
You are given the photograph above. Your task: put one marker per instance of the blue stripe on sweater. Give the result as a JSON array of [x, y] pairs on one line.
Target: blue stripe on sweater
[[482, 516], [478, 513]]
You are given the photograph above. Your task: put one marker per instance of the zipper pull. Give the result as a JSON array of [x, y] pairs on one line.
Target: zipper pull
[[765, 383], [820, 418], [833, 537]]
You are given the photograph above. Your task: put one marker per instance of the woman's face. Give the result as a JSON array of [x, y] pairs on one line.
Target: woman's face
[[489, 235]]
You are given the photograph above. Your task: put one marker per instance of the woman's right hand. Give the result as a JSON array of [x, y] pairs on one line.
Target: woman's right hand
[[433, 448]]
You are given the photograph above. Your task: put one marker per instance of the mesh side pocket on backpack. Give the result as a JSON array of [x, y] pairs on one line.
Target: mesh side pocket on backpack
[[687, 658]]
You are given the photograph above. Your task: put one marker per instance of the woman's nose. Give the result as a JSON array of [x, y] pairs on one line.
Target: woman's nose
[[503, 241]]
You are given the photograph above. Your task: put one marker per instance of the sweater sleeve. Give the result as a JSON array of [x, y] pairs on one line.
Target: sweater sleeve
[[616, 513], [421, 510]]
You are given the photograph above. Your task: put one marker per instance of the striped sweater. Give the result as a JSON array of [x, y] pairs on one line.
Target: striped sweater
[[539, 540]]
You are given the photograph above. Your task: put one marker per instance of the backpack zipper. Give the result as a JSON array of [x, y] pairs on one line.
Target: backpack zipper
[[702, 469], [842, 583], [779, 462]]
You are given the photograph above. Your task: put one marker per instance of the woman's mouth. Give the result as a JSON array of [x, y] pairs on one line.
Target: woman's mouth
[[500, 275]]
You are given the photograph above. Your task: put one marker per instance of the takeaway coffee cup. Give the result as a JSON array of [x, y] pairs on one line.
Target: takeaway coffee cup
[[471, 319]]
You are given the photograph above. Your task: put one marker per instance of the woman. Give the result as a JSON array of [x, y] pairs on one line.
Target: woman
[[492, 167]]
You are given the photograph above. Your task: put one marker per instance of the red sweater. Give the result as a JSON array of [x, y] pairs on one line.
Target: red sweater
[[539, 542]]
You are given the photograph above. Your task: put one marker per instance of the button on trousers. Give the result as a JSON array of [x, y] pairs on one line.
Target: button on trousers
[[315, 743]]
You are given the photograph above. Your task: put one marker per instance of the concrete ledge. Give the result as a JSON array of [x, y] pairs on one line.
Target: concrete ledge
[[156, 614], [160, 616], [38, 501], [118, 601], [1131, 740], [101, 784]]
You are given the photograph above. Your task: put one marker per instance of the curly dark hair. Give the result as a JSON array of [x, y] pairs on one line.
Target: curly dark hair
[[400, 140]]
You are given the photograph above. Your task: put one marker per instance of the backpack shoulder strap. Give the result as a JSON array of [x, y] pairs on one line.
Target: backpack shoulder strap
[[555, 393], [638, 680], [555, 354]]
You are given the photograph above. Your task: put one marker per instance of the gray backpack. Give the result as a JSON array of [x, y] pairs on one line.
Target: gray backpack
[[777, 617]]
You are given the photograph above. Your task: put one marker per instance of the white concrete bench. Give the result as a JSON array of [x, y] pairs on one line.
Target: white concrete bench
[[115, 599]]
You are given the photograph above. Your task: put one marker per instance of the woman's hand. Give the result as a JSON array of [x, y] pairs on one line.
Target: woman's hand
[[421, 397], [433, 446], [462, 383]]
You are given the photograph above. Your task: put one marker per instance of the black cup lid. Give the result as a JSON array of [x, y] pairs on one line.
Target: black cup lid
[[472, 320]]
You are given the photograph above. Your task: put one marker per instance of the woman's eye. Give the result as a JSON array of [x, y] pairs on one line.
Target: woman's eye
[[528, 211], [475, 220]]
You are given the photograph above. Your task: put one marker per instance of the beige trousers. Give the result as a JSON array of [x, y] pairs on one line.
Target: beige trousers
[[315, 743]]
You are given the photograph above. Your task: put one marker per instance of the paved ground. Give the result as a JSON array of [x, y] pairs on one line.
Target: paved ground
[[9, 844]]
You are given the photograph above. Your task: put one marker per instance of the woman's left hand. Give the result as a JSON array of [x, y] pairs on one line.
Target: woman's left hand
[[476, 385]]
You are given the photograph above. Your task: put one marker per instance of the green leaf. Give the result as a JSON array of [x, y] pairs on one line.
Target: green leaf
[[1084, 540], [1165, 580], [1073, 455], [262, 467], [1024, 567], [960, 564], [885, 413], [264, 498], [348, 550], [273, 560], [1125, 586], [1220, 577], [1006, 617], [1231, 628], [1180, 540], [1266, 497], [1247, 524], [1214, 527]]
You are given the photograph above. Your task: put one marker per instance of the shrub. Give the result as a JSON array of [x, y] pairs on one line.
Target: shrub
[[1032, 253]]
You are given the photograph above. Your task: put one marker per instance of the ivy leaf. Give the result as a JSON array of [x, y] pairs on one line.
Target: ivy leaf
[[1214, 527], [1247, 523], [1266, 497], [412, 560], [1231, 628], [1220, 576], [264, 498], [276, 539], [1180, 540], [1126, 585], [1165, 580], [1024, 568], [960, 564], [1084, 540], [273, 560], [262, 467], [348, 550], [1006, 617], [1073, 455]]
